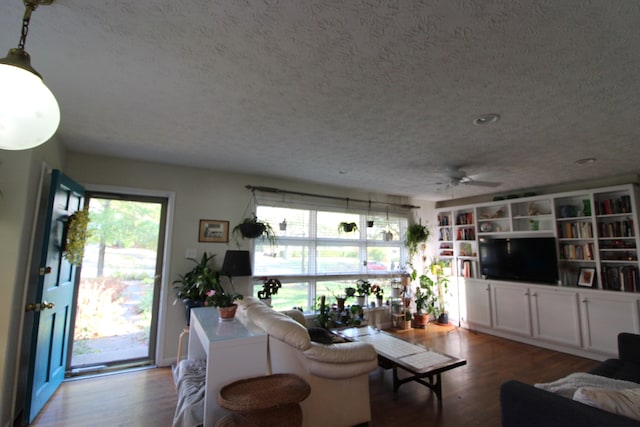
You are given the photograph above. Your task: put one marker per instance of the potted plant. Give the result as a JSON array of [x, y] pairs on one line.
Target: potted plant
[[378, 292], [437, 289], [224, 301], [417, 234], [323, 317], [423, 299], [252, 228], [347, 227], [269, 287], [363, 288], [407, 319], [193, 286]]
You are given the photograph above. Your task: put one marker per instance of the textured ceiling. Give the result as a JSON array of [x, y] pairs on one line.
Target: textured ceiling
[[375, 95]]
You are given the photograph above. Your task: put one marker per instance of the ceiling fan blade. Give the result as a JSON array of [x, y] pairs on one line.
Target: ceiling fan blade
[[480, 183]]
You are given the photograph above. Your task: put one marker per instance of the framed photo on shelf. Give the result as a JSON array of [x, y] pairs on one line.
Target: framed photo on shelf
[[586, 277], [213, 231]]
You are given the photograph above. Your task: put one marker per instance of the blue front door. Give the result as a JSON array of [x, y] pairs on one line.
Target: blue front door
[[53, 305]]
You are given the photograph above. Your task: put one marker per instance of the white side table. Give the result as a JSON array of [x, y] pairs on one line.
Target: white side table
[[232, 350]]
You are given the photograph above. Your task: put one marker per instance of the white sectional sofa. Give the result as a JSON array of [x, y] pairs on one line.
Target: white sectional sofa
[[337, 373]]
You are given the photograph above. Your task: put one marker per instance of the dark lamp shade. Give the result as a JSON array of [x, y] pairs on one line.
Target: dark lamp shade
[[236, 263]]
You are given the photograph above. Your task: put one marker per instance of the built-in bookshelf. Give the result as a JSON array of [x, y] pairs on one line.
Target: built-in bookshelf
[[617, 241], [594, 229], [445, 235]]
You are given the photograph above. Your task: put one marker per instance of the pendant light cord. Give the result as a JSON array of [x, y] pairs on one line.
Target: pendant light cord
[[29, 8]]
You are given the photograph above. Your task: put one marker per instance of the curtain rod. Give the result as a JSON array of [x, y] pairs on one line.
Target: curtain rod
[[346, 199]]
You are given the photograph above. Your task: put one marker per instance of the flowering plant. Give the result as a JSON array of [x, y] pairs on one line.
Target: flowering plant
[[377, 291], [217, 297]]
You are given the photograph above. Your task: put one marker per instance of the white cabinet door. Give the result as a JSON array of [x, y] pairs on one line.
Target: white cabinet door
[[478, 303], [604, 315], [511, 308], [556, 315]]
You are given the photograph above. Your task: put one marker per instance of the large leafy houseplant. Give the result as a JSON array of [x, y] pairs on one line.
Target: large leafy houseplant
[[435, 287], [192, 287], [416, 235], [199, 280]]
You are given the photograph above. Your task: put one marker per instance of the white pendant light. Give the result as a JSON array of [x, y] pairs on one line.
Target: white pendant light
[[29, 113]]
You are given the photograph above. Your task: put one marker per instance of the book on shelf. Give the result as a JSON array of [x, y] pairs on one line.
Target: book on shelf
[[466, 233], [443, 220], [464, 218], [467, 268], [620, 205], [445, 234], [620, 278], [577, 252], [576, 230]]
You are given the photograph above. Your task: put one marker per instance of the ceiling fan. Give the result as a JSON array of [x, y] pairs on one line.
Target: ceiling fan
[[454, 176]]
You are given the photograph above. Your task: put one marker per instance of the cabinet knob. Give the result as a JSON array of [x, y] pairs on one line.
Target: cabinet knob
[[585, 300]]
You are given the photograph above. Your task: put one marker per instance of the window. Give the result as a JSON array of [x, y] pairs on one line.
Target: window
[[313, 257]]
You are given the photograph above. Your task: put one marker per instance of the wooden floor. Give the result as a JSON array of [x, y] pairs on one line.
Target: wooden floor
[[147, 398]]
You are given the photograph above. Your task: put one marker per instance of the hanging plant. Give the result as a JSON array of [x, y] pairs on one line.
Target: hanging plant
[[347, 227], [76, 237], [252, 228], [416, 235]]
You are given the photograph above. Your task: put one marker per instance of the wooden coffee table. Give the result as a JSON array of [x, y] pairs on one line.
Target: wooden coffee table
[[425, 365]]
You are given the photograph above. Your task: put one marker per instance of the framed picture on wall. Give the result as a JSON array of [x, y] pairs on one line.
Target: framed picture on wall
[[213, 231], [586, 277]]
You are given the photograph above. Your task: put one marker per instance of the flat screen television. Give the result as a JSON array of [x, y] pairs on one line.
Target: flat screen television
[[523, 259]]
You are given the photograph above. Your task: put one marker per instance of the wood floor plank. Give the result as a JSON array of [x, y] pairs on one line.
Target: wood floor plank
[[147, 398]]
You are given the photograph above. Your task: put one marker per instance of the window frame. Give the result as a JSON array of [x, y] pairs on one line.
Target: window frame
[[313, 243]]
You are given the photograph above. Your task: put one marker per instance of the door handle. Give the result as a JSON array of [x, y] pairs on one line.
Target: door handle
[[40, 307]]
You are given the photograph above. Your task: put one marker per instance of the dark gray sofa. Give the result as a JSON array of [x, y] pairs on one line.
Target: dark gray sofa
[[523, 405]]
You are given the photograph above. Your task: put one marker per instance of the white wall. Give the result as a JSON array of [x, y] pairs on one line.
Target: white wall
[[199, 194]]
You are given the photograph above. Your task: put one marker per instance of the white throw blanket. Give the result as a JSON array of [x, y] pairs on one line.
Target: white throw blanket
[[568, 385], [189, 377]]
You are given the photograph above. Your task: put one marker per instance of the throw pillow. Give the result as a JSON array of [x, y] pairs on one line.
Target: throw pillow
[[622, 402], [568, 385], [321, 336]]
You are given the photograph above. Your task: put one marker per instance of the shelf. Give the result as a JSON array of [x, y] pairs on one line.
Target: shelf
[[594, 228], [575, 218]]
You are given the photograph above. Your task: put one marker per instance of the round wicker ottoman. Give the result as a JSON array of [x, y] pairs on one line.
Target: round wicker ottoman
[[271, 400]]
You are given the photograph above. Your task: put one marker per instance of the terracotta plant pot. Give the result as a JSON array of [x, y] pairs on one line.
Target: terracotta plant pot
[[420, 320], [227, 313]]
